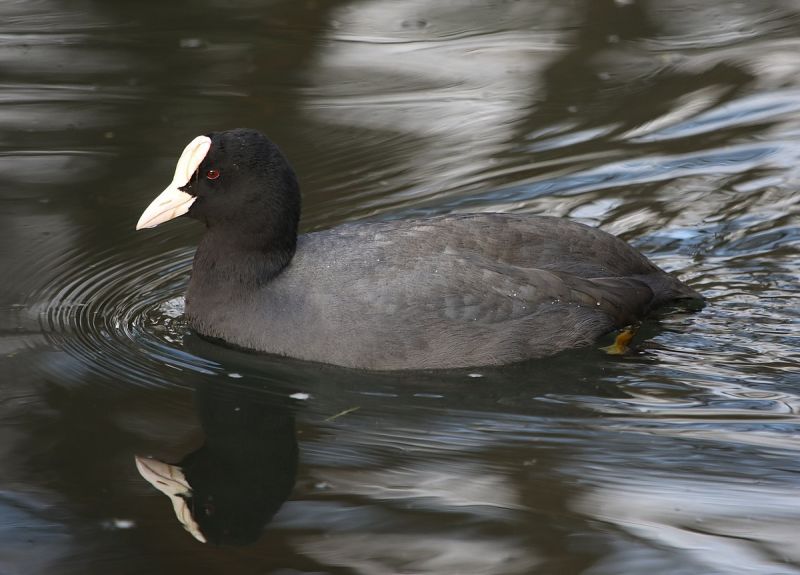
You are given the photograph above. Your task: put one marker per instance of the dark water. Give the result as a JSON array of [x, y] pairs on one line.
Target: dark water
[[674, 124]]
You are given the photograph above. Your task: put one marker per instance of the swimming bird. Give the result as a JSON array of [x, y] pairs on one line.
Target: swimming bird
[[449, 291]]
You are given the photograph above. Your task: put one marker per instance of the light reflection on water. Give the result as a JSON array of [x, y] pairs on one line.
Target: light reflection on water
[[673, 125]]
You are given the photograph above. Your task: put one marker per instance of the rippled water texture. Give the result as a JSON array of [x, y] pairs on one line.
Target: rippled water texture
[[673, 124]]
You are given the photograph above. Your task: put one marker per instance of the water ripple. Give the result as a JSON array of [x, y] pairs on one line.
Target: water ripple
[[123, 319]]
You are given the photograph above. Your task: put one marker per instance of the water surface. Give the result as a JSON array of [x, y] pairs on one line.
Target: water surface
[[672, 124]]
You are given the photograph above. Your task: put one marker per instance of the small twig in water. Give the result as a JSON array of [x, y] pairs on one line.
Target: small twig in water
[[345, 412]]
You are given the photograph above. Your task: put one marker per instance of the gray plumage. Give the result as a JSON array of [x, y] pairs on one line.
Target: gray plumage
[[444, 292]]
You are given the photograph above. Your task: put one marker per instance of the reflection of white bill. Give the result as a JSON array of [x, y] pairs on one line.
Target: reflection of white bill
[[170, 480]]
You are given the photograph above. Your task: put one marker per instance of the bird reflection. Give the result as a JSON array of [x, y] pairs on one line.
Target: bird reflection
[[226, 491]]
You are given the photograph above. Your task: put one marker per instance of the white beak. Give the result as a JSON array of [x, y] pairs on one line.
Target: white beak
[[172, 202]]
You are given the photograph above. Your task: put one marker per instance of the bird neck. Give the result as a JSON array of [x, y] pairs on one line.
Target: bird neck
[[234, 260]]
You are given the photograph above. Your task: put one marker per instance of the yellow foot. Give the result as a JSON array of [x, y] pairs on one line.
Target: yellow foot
[[620, 345]]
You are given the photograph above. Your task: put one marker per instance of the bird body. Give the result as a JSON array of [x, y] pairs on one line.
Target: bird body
[[449, 291]]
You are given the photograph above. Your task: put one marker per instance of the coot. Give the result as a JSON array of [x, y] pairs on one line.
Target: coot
[[442, 292]]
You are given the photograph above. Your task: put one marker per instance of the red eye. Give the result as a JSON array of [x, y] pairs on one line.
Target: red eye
[[212, 174]]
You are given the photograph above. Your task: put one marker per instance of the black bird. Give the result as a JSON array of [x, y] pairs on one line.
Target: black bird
[[442, 292]]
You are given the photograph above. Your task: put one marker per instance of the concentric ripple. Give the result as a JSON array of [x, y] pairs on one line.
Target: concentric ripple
[[124, 320]]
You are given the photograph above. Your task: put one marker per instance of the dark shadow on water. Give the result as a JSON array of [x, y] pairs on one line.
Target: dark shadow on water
[[227, 490], [579, 370]]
